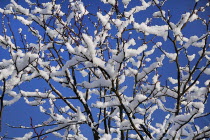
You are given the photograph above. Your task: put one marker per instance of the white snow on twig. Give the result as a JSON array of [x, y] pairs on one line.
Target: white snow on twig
[[27, 136]]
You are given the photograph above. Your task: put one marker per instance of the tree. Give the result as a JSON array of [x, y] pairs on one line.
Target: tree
[[112, 63]]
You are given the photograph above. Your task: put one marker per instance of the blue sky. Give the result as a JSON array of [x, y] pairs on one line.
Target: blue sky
[[20, 113]]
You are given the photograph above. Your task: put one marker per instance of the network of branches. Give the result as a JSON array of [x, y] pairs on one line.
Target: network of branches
[[120, 69]]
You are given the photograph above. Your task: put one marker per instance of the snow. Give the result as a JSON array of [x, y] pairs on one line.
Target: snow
[[199, 44], [12, 101], [78, 10], [57, 134], [156, 30], [41, 108], [5, 41], [84, 73], [147, 70], [172, 56], [29, 2], [159, 14], [25, 59], [20, 30], [121, 25], [155, 78], [17, 8], [98, 62], [44, 74], [207, 83], [112, 2], [37, 94], [132, 52], [100, 58], [118, 58], [172, 80], [23, 21], [177, 28], [27, 136], [140, 97], [80, 116], [58, 127], [193, 17], [139, 50], [47, 46], [47, 9], [117, 22], [191, 41], [138, 8], [191, 57], [126, 2], [5, 73], [199, 107], [52, 33], [112, 102], [156, 1], [82, 8], [110, 69], [36, 102], [104, 20], [70, 48], [148, 59], [36, 10], [70, 17], [147, 53], [207, 71], [90, 44], [97, 83]]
